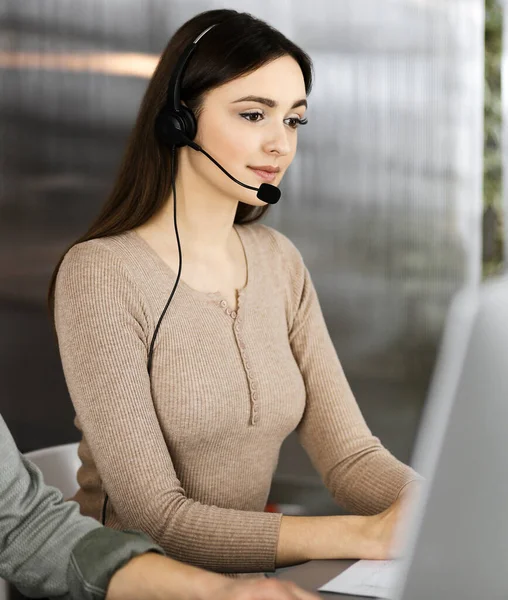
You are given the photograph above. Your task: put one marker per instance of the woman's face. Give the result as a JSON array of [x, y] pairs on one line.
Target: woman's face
[[251, 122]]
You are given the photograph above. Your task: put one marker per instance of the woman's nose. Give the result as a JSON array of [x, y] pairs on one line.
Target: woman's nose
[[278, 141]]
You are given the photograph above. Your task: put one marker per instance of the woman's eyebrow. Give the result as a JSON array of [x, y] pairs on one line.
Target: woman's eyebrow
[[268, 101]]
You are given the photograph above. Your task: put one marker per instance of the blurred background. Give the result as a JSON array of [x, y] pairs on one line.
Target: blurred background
[[384, 200]]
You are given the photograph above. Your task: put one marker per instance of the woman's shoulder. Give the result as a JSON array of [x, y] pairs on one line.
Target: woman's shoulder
[[103, 251], [94, 280], [98, 273], [95, 260]]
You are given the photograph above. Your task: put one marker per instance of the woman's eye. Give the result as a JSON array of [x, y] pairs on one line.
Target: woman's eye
[[295, 122], [252, 117]]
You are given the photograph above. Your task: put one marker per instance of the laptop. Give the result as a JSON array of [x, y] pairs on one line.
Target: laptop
[[453, 540], [456, 540]]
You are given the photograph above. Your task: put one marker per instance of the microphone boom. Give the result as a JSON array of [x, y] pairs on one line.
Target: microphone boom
[[266, 192]]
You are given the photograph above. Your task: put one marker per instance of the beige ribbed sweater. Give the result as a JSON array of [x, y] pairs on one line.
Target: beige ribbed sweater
[[189, 456]]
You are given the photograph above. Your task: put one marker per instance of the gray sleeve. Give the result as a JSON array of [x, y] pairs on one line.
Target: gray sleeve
[[40, 535]]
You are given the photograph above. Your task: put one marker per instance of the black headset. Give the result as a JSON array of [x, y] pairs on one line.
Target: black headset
[[175, 127]]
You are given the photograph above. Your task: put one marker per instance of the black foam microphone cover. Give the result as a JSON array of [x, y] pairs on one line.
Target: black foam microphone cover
[[268, 193]]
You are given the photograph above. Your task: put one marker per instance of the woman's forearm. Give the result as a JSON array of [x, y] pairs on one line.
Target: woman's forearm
[[311, 538]]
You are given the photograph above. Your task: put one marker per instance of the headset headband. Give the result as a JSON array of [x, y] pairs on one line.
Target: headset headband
[[173, 96]]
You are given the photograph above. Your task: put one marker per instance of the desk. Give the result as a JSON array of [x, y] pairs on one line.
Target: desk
[[312, 575]]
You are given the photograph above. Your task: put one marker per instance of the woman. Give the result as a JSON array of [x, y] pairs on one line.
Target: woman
[[186, 453]]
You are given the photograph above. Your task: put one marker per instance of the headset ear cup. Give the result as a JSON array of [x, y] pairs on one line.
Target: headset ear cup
[[189, 120], [173, 128]]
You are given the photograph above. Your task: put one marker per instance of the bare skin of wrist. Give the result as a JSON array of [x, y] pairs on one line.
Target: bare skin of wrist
[[154, 577], [313, 538]]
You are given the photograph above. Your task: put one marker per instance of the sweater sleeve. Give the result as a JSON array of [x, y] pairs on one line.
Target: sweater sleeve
[[362, 475], [45, 547], [104, 332]]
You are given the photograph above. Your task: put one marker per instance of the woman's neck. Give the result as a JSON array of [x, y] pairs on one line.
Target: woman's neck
[[205, 222]]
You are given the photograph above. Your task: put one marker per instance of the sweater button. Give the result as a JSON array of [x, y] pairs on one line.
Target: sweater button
[[223, 304], [228, 312], [233, 314]]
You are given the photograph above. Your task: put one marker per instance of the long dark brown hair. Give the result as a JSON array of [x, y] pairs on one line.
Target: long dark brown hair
[[228, 51]]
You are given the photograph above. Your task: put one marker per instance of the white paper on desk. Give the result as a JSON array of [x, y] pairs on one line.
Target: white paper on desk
[[372, 578]]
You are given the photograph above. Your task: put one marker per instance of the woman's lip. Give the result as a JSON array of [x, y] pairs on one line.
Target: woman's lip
[[264, 175]]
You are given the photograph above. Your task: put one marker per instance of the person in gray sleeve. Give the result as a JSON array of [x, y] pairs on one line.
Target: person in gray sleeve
[[48, 549]]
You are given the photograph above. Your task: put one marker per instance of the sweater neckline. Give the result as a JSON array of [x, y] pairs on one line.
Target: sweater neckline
[[215, 297]]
